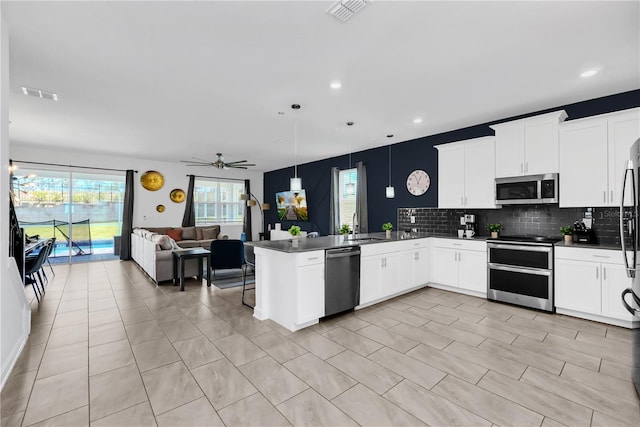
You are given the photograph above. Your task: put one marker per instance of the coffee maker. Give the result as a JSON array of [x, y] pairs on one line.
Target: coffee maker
[[470, 223]]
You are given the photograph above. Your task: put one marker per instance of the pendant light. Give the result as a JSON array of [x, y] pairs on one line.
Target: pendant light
[[350, 188], [295, 183], [390, 191]]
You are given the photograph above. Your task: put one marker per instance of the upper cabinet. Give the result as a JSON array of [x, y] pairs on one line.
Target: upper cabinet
[[466, 174], [592, 156], [528, 146]]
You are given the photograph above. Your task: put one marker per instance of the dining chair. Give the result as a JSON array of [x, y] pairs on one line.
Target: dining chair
[[32, 272], [249, 261]]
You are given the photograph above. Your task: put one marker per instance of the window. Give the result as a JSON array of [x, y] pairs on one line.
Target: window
[[218, 201], [347, 190], [82, 210]]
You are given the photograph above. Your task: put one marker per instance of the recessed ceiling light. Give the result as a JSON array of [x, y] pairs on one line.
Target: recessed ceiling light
[[417, 120], [589, 73], [335, 85]]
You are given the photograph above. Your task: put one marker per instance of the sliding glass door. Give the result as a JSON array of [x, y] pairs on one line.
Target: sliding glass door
[[83, 211]]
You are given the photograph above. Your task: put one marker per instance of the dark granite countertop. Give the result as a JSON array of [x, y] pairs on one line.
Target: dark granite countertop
[[337, 241], [563, 244]]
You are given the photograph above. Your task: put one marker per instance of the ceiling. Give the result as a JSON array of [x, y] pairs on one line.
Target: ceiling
[[172, 80]]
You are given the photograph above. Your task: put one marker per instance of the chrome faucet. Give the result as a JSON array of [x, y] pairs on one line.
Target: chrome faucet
[[355, 224]]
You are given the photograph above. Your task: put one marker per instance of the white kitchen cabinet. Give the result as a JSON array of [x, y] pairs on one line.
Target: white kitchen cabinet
[[623, 129], [577, 285], [589, 282], [615, 280], [414, 265], [528, 146], [310, 292], [592, 155], [472, 271], [466, 174], [370, 282], [459, 264], [378, 276]]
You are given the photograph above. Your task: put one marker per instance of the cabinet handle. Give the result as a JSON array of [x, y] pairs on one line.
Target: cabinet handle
[[459, 256], [601, 256], [465, 200], [604, 196], [597, 268], [604, 273], [521, 167], [611, 196], [457, 244], [526, 167], [312, 258], [462, 201], [455, 256]]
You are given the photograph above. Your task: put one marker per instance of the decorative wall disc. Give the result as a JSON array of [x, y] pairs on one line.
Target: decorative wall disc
[[160, 208], [152, 180], [177, 195]]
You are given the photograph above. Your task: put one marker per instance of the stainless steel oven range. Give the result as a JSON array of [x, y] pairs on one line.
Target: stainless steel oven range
[[520, 271]]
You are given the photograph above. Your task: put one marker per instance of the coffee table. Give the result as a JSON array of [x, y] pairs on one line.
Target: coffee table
[[179, 258]]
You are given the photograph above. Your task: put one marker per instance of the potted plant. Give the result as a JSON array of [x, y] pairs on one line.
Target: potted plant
[[387, 227], [567, 232], [494, 229], [294, 231], [345, 229]]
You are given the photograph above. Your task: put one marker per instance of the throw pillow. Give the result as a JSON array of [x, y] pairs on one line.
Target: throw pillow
[[175, 234], [188, 233], [210, 233], [162, 241]]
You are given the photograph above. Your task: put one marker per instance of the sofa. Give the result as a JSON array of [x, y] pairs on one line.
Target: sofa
[[152, 248]]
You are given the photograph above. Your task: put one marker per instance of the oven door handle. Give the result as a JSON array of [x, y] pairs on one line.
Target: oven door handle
[[536, 271], [532, 248]]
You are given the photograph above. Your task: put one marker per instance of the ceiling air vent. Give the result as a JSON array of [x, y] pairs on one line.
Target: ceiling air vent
[[345, 9], [43, 94]]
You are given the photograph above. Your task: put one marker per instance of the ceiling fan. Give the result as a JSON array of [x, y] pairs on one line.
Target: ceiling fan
[[218, 164]]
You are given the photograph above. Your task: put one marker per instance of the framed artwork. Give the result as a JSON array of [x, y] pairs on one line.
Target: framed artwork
[[292, 205]]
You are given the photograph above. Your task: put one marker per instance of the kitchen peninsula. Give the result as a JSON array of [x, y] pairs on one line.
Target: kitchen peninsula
[[290, 274]]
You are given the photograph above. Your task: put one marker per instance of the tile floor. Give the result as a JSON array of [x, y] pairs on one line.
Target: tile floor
[[109, 348]]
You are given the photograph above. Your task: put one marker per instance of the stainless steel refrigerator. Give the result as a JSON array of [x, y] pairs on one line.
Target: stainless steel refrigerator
[[629, 237]]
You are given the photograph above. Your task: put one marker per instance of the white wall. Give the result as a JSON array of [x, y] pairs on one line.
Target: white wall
[[145, 202], [15, 315]]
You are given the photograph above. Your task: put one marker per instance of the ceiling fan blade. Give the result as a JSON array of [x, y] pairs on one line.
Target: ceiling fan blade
[[198, 164], [202, 160], [237, 161], [236, 167]]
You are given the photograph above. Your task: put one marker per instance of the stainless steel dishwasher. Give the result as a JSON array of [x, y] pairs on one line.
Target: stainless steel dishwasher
[[341, 279]]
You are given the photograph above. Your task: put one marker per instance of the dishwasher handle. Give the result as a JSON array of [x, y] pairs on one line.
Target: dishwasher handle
[[339, 253]]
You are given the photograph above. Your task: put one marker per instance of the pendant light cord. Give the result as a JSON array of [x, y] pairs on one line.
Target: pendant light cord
[[389, 165], [295, 147]]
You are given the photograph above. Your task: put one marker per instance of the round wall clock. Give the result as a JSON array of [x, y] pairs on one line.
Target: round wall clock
[[418, 182]]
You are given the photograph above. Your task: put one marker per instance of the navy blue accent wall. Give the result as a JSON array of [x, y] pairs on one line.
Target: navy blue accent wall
[[406, 157]]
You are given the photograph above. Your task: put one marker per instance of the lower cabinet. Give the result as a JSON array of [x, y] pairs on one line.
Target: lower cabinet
[[378, 276], [459, 264], [393, 267], [590, 281], [310, 292]]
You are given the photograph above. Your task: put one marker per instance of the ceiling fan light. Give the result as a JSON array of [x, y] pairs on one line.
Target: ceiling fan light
[[295, 184], [391, 192]]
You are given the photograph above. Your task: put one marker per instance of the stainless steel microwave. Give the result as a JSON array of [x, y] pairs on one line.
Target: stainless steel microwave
[[528, 189]]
